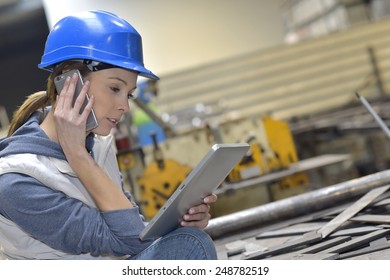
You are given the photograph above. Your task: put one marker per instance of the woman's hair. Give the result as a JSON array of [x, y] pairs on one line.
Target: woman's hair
[[41, 99]]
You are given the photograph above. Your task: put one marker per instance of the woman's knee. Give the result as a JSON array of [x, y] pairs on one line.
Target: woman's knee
[[200, 239], [186, 243]]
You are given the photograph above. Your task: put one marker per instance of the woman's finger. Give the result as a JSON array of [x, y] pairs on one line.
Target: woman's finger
[[198, 220], [87, 110], [201, 208], [78, 105], [200, 225], [195, 217], [61, 95], [69, 91], [212, 198]]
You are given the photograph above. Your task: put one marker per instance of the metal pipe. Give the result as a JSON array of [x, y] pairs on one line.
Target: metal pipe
[[296, 205], [376, 72], [371, 110]]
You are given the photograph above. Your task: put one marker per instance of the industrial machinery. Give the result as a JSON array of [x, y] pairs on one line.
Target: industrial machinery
[[159, 180], [271, 149], [273, 152]]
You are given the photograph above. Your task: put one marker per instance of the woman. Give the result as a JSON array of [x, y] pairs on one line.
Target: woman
[[61, 194]]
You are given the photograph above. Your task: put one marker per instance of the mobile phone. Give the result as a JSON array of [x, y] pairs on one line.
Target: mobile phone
[[59, 82]]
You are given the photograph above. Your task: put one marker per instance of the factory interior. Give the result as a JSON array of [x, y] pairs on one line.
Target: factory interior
[[288, 77]]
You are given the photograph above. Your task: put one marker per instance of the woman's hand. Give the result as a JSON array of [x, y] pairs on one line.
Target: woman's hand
[[70, 124], [199, 216]]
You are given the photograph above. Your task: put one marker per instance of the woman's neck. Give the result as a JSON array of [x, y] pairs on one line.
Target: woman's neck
[[49, 127]]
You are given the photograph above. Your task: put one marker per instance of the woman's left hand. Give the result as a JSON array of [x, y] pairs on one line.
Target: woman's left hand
[[199, 216]]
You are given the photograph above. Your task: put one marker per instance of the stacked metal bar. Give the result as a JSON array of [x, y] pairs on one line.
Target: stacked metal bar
[[358, 228]]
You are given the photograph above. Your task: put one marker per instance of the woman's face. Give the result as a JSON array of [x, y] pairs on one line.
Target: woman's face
[[112, 89]]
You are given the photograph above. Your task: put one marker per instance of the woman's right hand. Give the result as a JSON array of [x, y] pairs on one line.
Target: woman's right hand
[[70, 124]]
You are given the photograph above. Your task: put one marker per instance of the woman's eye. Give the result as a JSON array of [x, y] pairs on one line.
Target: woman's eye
[[131, 95], [115, 89]]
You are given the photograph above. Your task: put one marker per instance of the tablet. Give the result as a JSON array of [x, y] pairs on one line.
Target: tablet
[[203, 180]]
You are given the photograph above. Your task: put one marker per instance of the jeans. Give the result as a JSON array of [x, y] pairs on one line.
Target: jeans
[[185, 243]]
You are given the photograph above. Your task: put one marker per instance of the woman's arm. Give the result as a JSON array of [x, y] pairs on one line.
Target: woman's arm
[[68, 224], [106, 194]]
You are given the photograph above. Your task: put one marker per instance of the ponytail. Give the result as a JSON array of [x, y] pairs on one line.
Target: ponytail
[[41, 99], [33, 103]]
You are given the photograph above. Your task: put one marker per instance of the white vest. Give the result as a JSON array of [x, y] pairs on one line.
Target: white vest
[[57, 175]]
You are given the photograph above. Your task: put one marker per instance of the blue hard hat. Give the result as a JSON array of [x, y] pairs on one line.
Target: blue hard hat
[[95, 35]]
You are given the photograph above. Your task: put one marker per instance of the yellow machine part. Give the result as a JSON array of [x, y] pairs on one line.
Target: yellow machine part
[[157, 184], [253, 164], [289, 186], [281, 141], [298, 179], [281, 154]]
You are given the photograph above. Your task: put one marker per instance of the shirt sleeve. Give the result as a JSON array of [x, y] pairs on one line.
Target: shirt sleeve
[[68, 224]]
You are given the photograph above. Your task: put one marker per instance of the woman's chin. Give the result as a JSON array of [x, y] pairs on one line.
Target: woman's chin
[[101, 131]]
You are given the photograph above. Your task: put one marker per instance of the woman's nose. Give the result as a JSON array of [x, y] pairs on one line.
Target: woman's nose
[[124, 105]]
